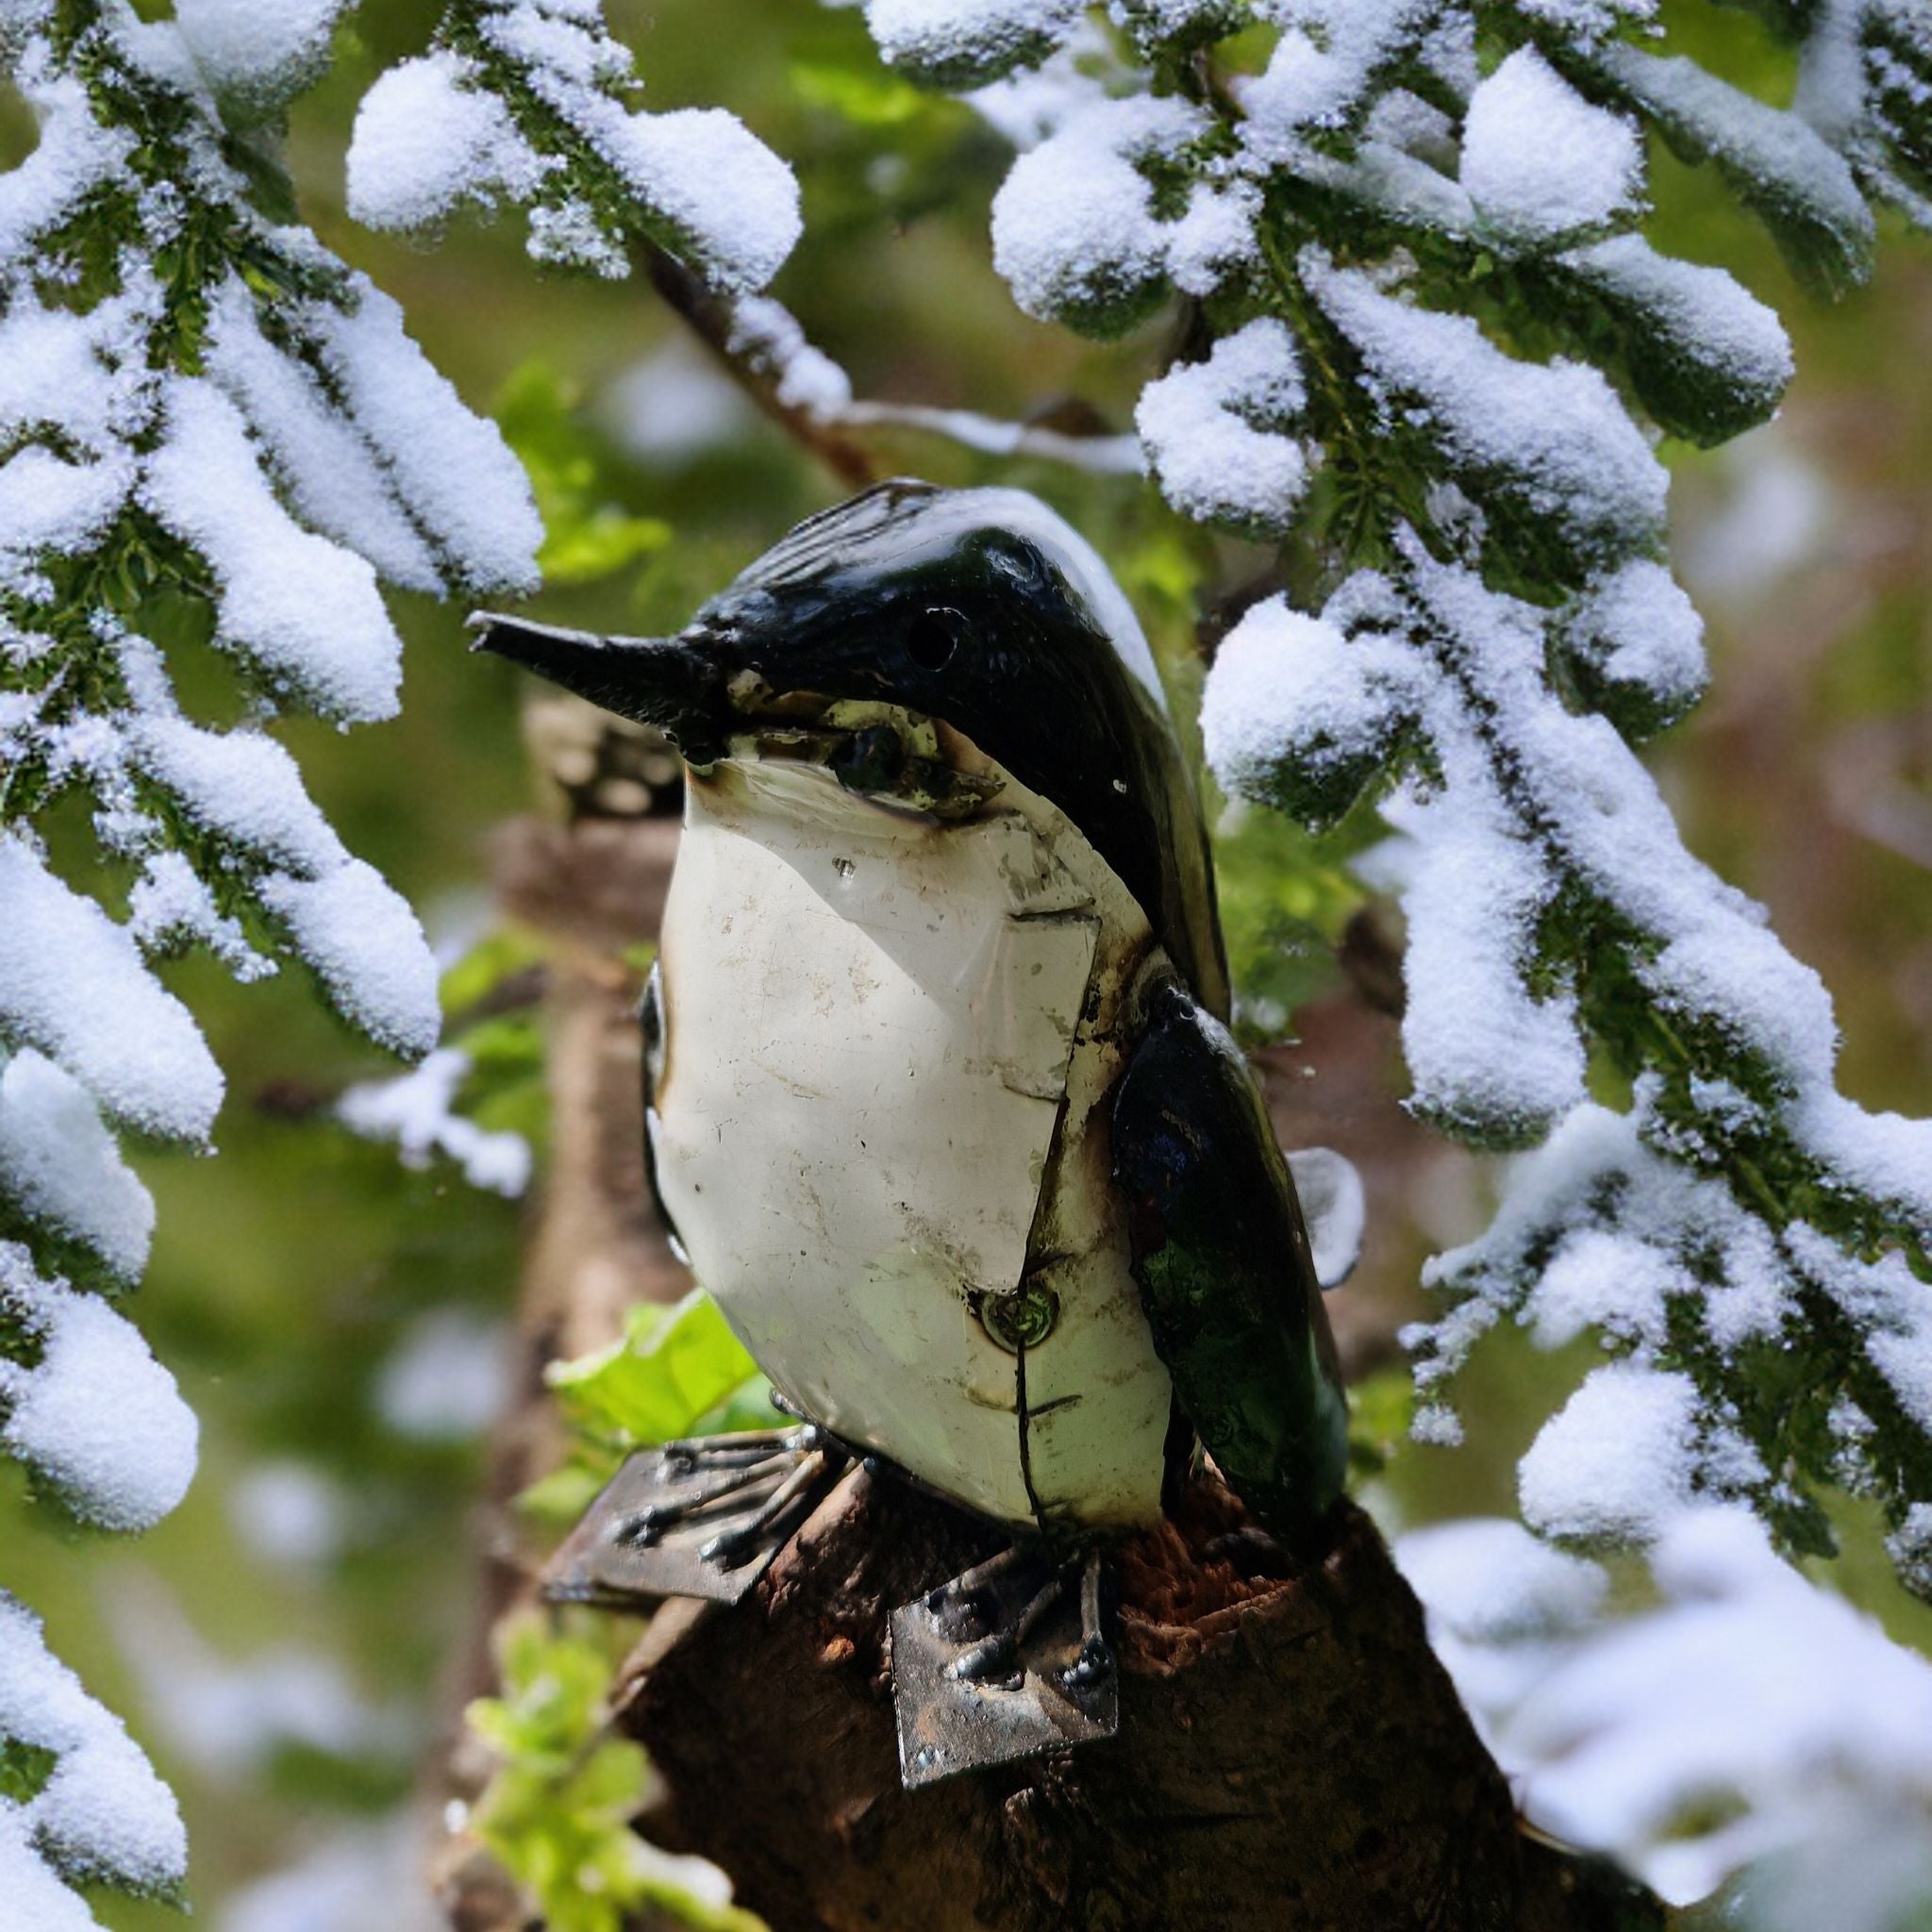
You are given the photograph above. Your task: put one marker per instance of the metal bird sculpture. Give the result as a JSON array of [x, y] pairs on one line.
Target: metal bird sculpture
[[940, 1101]]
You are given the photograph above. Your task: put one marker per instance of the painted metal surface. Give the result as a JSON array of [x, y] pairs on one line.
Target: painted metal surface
[[1037, 657], [878, 1130]]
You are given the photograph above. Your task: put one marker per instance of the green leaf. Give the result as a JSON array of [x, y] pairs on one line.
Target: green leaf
[[672, 1366], [557, 1811], [558, 1500], [872, 99], [481, 972], [1379, 1412], [1285, 899], [586, 536]]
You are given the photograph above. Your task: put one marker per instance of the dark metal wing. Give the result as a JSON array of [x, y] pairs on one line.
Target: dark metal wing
[[1221, 1256]]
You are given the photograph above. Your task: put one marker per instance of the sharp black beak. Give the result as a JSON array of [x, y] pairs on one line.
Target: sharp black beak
[[673, 683]]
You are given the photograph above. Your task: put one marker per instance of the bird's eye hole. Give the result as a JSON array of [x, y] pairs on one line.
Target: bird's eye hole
[[932, 638]]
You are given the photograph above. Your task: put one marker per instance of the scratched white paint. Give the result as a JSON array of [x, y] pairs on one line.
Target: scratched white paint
[[873, 1022]]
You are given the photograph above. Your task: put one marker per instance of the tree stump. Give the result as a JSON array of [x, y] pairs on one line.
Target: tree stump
[[1290, 1754]]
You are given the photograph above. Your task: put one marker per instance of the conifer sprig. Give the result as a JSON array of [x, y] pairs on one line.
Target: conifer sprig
[[1412, 234]]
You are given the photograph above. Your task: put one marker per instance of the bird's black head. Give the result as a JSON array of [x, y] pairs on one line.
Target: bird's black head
[[980, 608]]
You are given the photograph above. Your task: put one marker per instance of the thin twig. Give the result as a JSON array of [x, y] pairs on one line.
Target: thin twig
[[709, 315]]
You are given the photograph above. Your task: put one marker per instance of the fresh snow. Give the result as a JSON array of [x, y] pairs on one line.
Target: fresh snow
[[1539, 161], [1554, 436], [76, 153], [967, 43], [172, 905], [1588, 21], [722, 190], [773, 341], [1752, 1719], [427, 139], [300, 446], [366, 947], [1486, 1580], [417, 1113], [73, 986], [1487, 1055], [1789, 163], [437, 132], [1889, 1307], [1613, 1465], [241, 786], [1282, 679], [1329, 57], [1637, 630], [1616, 1223], [61, 1168], [333, 476], [1073, 225], [103, 1814], [264, 54], [1701, 316], [463, 486], [96, 1416], [304, 609], [1024, 107], [1212, 431], [51, 374], [48, 503]]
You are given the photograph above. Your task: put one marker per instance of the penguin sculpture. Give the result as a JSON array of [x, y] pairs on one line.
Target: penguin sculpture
[[942, 1107]]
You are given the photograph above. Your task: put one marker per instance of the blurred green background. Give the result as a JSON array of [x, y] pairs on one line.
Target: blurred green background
[[339, 1321]]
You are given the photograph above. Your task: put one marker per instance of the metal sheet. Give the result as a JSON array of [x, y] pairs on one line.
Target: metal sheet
[[600, 1564], [948, 1724], [880, 1029]]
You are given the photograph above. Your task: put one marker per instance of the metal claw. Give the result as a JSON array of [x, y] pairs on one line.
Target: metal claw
[[702, 1517], [1003, 1662], [733, 1542]]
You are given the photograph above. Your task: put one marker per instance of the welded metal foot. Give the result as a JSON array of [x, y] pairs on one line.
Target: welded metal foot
[[1003, 1662], [701, 1518]]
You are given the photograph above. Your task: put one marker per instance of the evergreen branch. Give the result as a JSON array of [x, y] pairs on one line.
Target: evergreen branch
[[1415, 239], [210, 431]]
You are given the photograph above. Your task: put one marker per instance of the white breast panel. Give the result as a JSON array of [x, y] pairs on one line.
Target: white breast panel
[[869, 1020]]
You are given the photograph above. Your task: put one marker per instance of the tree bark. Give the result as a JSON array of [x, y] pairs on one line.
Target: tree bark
[[1290, 1754], [592, 886]]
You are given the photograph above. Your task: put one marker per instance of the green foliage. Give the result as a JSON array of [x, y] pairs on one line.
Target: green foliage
[[557, 1811], [585, 536], [1286, 896], [675, 1371], [1380, 1408], [25, 1770], [859, 93], [672, 1369], [490, 998]]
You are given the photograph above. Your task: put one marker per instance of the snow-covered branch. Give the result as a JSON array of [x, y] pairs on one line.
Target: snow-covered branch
[[531, 102], [1753, 1723], [1413, 235], [211, 431], [89, 1809]]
